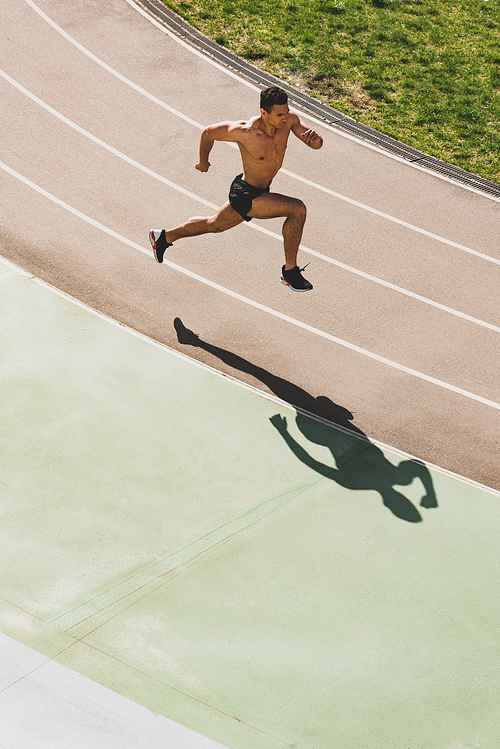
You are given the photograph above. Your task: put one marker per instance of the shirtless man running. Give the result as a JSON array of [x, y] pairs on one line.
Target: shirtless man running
[[262, 142]]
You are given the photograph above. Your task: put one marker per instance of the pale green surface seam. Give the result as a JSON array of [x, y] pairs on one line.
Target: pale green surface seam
[[88, 616], [190, 697]]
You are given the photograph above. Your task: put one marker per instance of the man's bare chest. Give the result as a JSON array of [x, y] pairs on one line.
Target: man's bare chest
[[267, 148]]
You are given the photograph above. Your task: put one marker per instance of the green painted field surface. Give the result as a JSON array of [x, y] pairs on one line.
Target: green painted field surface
[[261, 578]]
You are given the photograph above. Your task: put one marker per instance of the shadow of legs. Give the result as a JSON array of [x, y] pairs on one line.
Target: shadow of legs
[[377, 473]]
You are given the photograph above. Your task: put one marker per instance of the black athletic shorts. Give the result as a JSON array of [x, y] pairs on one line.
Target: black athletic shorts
[[242, 194]]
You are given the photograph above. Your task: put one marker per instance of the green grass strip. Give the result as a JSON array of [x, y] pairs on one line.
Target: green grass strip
[[426, 72]]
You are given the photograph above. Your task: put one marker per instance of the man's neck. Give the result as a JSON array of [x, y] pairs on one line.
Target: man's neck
[[266, 127]]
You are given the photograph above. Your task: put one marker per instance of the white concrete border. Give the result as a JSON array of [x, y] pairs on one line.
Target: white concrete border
[[45, 705]]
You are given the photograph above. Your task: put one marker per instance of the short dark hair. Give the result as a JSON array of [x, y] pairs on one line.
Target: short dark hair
[[271, 96]]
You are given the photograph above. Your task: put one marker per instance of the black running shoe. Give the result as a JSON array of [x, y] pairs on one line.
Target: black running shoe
[[159, 243], [294, 279]]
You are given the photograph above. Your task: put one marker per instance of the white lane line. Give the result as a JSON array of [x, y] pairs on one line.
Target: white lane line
[[175, 112], [191, 195], [104, 145], [109, 69], [393, 219], [251, 302]]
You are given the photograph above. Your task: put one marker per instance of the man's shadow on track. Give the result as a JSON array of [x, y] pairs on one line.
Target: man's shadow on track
[[377, 473]]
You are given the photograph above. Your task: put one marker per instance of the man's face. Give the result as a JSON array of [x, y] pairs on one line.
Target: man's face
[[277, 116]]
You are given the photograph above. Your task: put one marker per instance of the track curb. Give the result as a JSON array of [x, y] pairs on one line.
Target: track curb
[[181, 28]]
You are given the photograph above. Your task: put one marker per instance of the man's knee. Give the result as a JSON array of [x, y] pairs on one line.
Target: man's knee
[[299, 210]]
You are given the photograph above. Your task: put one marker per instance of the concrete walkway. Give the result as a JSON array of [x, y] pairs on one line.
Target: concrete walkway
[[206, 552]]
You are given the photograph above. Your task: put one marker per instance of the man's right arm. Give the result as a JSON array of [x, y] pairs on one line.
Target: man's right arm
[[222, 131]]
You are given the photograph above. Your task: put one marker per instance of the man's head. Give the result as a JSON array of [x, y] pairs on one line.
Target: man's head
[[274, 106], [271, 96]]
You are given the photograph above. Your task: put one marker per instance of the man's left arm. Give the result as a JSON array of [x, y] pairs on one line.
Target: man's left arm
[[307, 135]]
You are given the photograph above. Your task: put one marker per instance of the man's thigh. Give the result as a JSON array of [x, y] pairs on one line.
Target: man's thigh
[[274, 205]]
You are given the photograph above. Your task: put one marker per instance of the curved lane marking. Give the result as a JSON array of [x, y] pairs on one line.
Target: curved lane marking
[[175, 112], [262, 229], [251, 302]]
